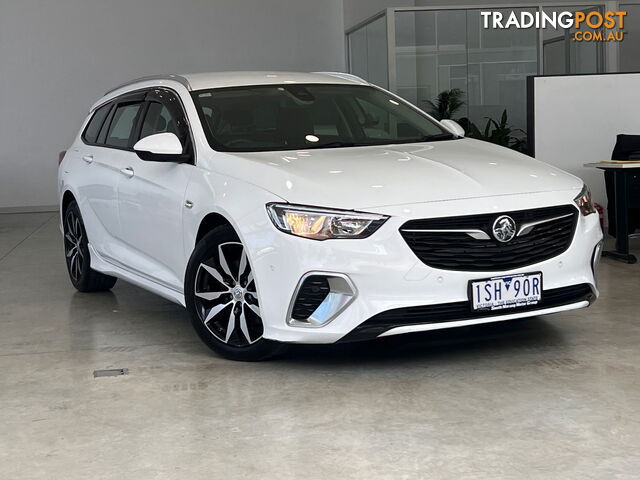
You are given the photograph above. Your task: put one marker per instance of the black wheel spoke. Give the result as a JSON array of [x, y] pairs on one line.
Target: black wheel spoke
[[73, 247]]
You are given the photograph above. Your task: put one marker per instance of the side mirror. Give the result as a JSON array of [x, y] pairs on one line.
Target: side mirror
[[161, 147], [453, 126]]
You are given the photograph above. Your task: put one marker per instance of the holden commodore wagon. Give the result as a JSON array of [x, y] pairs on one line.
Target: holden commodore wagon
[[315, 208]]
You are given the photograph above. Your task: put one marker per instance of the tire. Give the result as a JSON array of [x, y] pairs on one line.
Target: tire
[[77, 257], [221, 298]]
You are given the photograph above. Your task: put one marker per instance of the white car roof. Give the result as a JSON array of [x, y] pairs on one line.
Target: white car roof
[[203, 81], [200, 81]]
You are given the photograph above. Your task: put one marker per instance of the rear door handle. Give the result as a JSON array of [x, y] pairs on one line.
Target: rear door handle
[[88, 158], [127, 172]]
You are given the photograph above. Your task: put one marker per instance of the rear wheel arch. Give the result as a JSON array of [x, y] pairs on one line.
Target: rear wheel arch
[[77, 254], [67, 198]]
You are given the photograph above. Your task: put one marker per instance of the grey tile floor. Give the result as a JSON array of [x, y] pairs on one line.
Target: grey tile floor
[[542, 398]]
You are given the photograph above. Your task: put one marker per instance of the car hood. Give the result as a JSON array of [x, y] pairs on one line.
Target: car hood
[[375, 176]]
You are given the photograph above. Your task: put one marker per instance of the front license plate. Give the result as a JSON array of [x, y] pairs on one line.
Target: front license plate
[[511, 291]]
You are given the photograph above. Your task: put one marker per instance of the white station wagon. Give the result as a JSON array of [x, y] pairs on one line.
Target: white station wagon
[[315, 208]]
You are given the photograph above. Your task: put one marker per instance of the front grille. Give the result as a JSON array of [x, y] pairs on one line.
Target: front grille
[[313, 291], [450, 312], [462, 252]]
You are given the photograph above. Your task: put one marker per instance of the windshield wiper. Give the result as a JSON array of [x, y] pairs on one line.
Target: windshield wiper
[[334, 144], [372, 142], [434, 138]]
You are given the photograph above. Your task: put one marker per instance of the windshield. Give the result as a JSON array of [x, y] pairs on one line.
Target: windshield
[[304, 116]]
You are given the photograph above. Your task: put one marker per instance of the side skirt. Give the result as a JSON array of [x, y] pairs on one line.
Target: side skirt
[[112, 267]]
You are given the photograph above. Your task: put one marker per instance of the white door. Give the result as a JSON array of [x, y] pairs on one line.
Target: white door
[[102, 155], [151, 200]]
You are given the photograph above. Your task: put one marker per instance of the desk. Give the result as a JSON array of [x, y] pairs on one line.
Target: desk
[[620, 174]]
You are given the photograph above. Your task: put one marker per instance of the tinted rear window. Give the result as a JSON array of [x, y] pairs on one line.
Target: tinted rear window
[[121, 128], [91, 132]]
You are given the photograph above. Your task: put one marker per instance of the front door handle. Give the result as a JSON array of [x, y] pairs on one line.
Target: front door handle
[[127, 172], [88, 158]]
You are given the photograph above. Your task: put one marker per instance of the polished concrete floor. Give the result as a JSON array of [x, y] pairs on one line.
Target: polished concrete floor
[[543, 398]]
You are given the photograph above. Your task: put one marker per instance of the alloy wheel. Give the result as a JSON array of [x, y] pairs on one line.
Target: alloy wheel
[[73, 245], [226, 298]]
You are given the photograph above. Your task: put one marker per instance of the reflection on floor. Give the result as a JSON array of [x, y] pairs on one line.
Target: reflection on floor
[[553, 397]]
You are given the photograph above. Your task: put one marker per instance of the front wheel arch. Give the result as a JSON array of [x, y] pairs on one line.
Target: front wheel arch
[[210, 222], [252, 347]]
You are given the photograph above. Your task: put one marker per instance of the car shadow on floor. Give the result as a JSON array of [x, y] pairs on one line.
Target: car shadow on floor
[[135, 317], [500, 338], [128, 317]]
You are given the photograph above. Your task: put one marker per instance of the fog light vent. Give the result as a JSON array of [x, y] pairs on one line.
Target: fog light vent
[[312, 292], [319, 298]]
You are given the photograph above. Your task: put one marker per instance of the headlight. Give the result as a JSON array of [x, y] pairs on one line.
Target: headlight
[[584, 201], [323, 223]]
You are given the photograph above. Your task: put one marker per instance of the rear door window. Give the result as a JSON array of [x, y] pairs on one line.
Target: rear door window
[[122, 125]]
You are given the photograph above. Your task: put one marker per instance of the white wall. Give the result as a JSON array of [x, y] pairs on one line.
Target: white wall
[[578, 117], [58, 57]]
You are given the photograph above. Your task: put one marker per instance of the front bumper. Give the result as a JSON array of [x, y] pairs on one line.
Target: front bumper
[[389, 277], [456, 314]]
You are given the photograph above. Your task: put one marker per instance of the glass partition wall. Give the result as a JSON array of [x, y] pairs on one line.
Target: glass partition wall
[[368, 52], [423, 51], [630, 47]]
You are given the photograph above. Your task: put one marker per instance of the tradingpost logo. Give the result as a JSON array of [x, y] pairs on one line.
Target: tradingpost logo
[[590, 26]]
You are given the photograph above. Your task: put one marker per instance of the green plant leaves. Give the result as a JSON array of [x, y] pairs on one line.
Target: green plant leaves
[[498, 132], [447, 104]]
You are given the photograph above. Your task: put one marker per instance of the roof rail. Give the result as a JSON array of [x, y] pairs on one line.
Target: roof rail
[[175, 78], [346, 76]]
